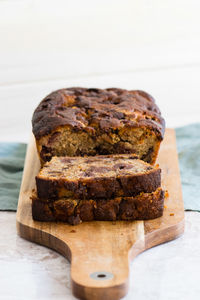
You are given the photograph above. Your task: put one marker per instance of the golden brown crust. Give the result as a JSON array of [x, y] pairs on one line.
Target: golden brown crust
[[141, 207]]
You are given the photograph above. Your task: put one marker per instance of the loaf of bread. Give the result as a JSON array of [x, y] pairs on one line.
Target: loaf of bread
[[96, 177], [74, 211], [95, 147], [80, 121]]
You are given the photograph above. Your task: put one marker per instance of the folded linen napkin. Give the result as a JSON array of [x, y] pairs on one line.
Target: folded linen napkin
[[188, 144], [11, 168]]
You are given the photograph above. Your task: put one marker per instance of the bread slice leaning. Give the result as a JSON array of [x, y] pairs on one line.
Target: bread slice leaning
[[96, 177]]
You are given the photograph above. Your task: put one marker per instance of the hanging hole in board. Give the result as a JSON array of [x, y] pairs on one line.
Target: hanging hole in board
[[102, 275]]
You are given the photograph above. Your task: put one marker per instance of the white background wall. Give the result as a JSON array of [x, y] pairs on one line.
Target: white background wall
[[152, 45]]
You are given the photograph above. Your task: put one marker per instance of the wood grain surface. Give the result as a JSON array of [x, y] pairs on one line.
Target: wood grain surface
[[104, 247]]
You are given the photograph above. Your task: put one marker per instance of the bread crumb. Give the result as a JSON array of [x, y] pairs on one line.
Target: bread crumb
[[166, 194]]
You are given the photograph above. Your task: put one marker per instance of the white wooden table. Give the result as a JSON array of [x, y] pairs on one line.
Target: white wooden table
[[150, 45]]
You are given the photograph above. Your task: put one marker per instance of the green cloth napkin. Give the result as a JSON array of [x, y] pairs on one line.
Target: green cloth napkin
[[11, 168], [188, 143]]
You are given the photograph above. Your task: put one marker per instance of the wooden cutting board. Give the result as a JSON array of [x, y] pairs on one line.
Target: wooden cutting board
[[100, 252]]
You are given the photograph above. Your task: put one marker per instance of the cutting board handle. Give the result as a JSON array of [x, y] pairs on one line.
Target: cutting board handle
[[100, 261], [99, 276]]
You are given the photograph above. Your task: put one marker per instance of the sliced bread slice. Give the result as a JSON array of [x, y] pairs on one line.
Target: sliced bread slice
[[74, 211], [96, 177]]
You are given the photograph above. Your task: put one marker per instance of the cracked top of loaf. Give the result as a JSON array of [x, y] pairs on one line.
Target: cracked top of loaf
[[91, 109]]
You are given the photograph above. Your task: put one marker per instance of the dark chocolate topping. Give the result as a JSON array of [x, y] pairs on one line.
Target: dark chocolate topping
[[97, 109]]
